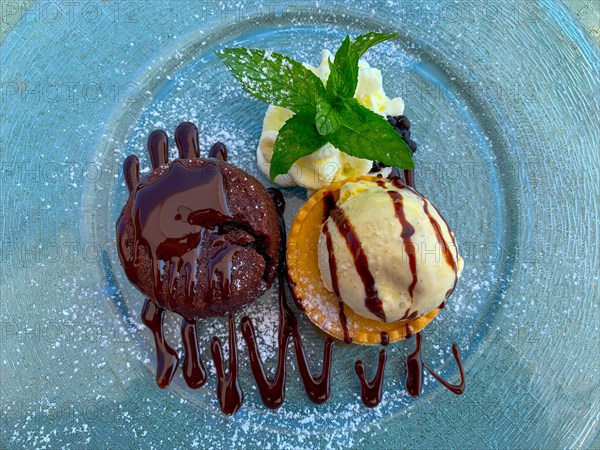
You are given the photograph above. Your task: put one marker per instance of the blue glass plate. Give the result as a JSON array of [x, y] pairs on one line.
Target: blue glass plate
[[503, 97]]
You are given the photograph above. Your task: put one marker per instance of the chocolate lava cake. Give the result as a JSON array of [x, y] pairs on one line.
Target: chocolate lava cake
[[199, 236]]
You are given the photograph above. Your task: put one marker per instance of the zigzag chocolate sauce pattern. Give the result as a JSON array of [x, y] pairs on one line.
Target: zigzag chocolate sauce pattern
[[272, 390]]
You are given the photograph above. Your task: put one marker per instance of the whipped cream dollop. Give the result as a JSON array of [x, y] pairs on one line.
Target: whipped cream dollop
[[387, 252], [327, 164]]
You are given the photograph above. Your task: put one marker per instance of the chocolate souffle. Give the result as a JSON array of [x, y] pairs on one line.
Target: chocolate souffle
[[198, 236]]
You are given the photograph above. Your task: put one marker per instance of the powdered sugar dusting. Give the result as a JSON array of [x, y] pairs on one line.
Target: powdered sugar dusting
[[94, 361], [343, 415]]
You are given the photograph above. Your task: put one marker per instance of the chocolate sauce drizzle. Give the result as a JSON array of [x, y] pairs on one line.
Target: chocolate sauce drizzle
[[158, 148], [229, 391], [186, 139], [407, 232], [272, 390], [194, 371], [192, 207], [407, 175], [372, 301], [445, 249], [384, 338], [182, 210], [440, 238], [415, 374], [409, 315], [409, 178], [414, 370], [166, 358], [329, 205], [344, 322], [220, 266], [131, 171], [218, 151], [371, 391], [189, 208], [332, 261], [410, 182], [199, 216]]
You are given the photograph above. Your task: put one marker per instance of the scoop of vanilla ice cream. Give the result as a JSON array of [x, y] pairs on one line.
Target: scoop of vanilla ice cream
[[395, 227], [327, 164]]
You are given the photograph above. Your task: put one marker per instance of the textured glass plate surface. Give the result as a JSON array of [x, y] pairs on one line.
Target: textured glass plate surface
[[504, 100]]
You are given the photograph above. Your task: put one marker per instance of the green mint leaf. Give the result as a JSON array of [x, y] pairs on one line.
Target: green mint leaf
[[364, 42], [297, 138], [328, 118], [349, 104], [368, 135], [274, 78], [343, 79], [341, 73]]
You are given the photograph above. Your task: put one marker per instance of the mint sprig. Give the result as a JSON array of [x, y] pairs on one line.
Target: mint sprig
[[322, 113]]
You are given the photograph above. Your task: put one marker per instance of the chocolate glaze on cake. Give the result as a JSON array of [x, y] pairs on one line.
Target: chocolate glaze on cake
[[198, 236]]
